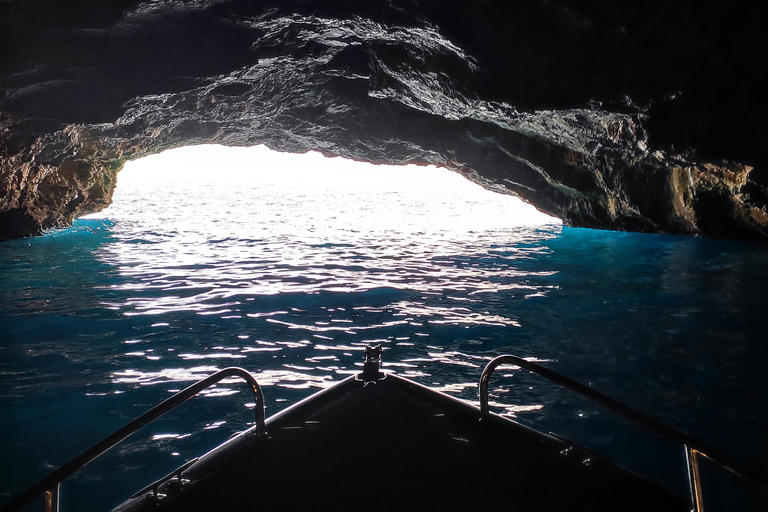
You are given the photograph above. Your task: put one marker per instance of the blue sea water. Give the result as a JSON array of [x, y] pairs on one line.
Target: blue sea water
[[290, 275]]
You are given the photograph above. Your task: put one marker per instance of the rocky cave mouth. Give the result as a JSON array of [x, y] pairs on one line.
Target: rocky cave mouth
[[558, 103], [214, 189]]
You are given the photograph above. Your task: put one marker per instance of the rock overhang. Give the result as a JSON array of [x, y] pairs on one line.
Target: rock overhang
[[382, 82]]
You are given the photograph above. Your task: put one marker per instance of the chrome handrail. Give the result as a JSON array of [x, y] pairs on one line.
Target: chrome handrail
[[693, 447], [49, 486]]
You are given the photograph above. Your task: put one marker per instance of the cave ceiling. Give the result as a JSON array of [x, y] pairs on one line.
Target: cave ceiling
[[644, 116]]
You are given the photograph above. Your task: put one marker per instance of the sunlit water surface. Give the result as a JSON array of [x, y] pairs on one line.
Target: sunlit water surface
[[290, 270]]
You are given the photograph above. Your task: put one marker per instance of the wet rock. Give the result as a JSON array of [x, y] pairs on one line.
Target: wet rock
[[546, 101]]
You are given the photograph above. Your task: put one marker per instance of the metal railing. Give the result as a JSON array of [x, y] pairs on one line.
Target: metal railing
[[693, 447], [48, 487]]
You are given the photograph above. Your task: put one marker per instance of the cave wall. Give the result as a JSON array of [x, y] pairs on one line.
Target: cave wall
[[643, 117]]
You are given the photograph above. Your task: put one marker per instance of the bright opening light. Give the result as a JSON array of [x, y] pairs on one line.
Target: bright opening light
[[314, 191], [198, 227]]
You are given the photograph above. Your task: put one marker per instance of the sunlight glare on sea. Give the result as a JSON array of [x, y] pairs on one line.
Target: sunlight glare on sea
[[251, 221], [289, 265]]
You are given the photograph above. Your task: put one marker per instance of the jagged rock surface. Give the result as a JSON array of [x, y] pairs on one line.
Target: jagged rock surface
[[85, 90]]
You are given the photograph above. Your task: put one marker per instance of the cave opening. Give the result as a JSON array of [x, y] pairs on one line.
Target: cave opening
[[218, 191]]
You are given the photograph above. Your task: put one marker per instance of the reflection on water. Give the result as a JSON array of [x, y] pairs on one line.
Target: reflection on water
[[289, 276]]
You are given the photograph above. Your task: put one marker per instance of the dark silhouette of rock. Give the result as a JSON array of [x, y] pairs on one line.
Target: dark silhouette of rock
[[645, 117]]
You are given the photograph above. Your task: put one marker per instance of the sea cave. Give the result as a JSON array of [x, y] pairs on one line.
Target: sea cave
[[635, 129]]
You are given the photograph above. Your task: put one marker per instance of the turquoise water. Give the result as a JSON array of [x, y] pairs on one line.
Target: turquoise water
[[104, 320]]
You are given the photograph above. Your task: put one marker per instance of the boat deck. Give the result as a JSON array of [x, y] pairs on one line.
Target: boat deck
[[395, 445]]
